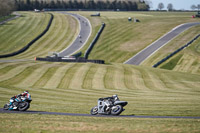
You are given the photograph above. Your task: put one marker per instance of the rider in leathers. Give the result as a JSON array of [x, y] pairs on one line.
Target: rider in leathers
[[109, 101], [17, 98]]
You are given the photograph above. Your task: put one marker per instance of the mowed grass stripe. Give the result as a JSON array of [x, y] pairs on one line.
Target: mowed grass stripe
[[14, 25], [129, 78], [19, 77], [78, 77], [177, 87], [13, 29], [168, 99], [89, 76], [46, 76], [98, 81], [37, 27], [119, 78], [69, 74], [109, 77], [15, 71], [6, 68], [24, 35], [58, 37], [56, 79], [47, 40], [34, 76]]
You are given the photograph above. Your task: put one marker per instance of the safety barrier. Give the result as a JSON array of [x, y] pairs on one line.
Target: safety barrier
[[30, 43], [60, 59], [94, 41], [175, 52]]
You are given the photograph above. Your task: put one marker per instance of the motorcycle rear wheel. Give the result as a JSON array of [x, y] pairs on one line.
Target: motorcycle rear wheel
[[94, 111], [117, 110], [23, 106]]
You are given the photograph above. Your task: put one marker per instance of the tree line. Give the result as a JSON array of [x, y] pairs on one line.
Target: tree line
[[7, 7], [125, 5]]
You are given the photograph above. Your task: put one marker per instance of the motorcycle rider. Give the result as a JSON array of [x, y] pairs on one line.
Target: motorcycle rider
[[17, 98], [110, 101]]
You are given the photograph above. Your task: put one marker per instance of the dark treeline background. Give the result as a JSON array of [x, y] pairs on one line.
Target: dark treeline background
[[124, 5]]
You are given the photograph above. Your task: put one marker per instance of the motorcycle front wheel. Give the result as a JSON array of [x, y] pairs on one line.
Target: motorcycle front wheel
[[94, 111], [116, 110], [23, 106], [6, 107]]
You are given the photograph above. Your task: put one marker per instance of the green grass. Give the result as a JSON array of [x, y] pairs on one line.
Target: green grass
[[19, 32], [61, 33], [2, 18], [189, 61], [28, 123], [121, 39], [173, 62], [76, 87]]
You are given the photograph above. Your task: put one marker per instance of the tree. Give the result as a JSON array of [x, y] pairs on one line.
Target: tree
[[6, 7], [170, 7], [198, 7], [193, 7], [160, 6]]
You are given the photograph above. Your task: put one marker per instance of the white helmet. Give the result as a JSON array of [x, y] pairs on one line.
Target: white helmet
[[115, 97]]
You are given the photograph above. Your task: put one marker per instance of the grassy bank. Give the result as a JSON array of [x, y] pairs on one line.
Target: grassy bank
[[189, 61], [61, 33], [121, 39], [17, 33], [76, 87], [50, 123]]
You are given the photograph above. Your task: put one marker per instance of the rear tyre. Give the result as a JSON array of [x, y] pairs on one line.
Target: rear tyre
[[23, 106], [116, 110], [6, 107], [94, 111]]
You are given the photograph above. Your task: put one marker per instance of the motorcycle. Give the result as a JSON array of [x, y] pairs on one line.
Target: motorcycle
[[21, 105], [106, 107]]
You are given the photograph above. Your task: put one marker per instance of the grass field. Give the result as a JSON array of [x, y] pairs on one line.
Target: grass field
[[185, 61], [50, 123], [17, 33], [75, 87], [61, 33], [121, 39]]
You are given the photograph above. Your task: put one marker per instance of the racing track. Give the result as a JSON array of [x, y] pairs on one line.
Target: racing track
[[79, 42], [155, 46], [88, 115]]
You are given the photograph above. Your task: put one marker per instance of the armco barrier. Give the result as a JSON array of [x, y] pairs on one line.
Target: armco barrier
[[94, 41], [59, 59], [175, 52], [30, 43]]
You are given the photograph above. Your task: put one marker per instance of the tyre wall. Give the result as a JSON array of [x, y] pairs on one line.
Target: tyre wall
[[59, 59], [175, 52], [94, 41]]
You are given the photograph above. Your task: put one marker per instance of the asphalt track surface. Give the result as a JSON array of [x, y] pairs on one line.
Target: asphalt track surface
[[155, 46], [88, 115], [80, 41]]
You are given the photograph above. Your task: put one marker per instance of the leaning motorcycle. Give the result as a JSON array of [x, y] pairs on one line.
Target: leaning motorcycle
[[116, 108], [23, 105]]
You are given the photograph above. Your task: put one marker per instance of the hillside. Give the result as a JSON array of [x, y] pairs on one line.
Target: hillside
[[185, 61], [75, 87], [17, 33], [122, 39]]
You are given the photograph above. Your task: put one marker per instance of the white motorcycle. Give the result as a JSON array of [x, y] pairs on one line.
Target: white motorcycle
[[109, 107]]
